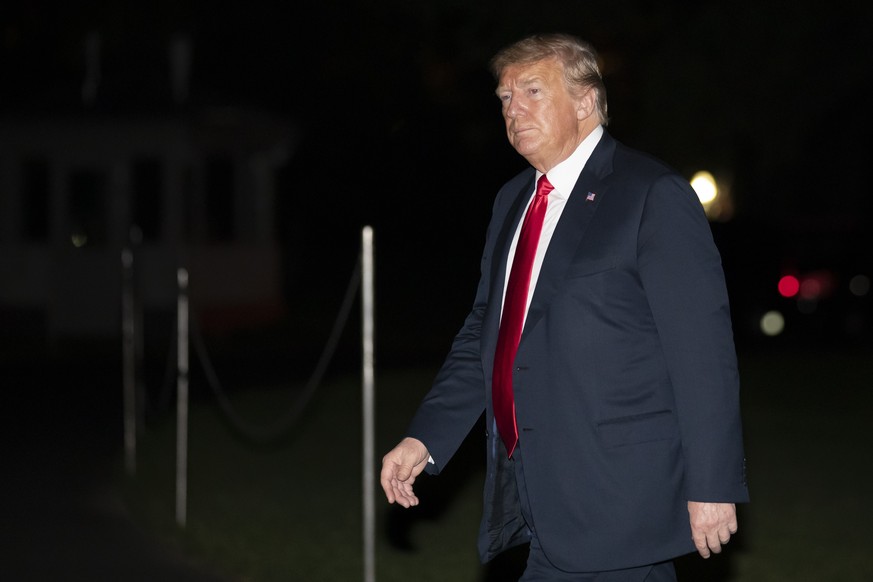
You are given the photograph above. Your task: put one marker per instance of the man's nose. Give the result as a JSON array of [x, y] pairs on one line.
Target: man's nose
[[513, 108]]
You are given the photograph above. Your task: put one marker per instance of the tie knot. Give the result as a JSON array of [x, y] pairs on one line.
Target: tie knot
[[544, 186]]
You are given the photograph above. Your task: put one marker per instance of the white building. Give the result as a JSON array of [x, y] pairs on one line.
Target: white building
[[194, 189]]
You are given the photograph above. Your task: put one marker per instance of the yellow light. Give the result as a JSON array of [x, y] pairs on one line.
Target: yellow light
[[79, 239], [704, 185], [772, 323]]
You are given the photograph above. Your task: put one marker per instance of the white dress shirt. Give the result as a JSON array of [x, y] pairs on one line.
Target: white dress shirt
[[563, 177]]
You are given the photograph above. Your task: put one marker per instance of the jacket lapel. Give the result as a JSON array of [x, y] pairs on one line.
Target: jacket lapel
[[498, 272], [590, 189], [504, 239]]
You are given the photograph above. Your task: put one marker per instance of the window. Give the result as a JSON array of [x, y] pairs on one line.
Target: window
[[219, 190], [35, 199], [87, 208], [147, 205]]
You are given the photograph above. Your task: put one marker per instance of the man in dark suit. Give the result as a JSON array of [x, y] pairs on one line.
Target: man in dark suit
[[614, 439]]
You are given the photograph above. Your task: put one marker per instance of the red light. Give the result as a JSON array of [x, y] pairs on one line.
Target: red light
[[789, 286]]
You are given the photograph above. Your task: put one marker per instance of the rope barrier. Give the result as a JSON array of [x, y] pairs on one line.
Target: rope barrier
[[264, 434], [189, 336]]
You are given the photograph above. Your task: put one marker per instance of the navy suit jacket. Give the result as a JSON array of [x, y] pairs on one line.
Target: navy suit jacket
[[625, 380]]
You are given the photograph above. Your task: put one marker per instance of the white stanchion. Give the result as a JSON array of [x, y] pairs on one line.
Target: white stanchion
[[368, 388], [129, 361], [182, 401]]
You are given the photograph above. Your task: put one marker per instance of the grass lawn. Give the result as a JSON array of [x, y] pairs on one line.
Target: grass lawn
[[291, 510]]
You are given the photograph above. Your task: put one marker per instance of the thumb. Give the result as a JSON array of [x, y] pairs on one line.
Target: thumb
[[403, 472]]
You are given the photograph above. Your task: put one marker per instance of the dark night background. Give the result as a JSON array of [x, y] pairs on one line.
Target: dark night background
[[397, 127], [395, 111]]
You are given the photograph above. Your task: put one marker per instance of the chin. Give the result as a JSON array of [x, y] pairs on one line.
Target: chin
[[524, 146], [526, 152]]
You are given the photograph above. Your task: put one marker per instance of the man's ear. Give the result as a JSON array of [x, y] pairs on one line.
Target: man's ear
[[586, 105]]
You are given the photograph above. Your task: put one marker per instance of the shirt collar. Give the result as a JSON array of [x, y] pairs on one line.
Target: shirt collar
[[564, 176]]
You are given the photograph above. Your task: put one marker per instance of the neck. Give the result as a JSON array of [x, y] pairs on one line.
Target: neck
[[585, 129]]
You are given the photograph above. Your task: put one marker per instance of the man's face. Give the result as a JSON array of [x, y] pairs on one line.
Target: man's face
[[543, 121]]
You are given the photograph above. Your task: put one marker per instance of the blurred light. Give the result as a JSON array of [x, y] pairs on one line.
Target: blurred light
[[704, 185], [817, 285], [79, 239], [859, 285], [810, 289], [772, 323], [789, 286]]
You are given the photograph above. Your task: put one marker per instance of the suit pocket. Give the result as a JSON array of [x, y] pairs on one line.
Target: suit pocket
[[637, 429], [588, 267]]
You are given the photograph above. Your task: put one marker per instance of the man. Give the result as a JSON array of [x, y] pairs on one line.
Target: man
[[614, 437]]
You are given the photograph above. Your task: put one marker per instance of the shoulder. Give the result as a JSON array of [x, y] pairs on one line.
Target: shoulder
[[647, 174], [632, 162], [640, 184]]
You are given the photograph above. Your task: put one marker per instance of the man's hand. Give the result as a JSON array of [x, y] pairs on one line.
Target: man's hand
[[712, 525], [400, 467]]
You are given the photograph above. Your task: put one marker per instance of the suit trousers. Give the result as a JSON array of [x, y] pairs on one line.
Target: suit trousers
[[540, 569]]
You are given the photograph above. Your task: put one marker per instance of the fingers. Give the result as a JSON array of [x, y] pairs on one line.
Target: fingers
[[702, 546], [405, 495], [399, 468], [711, 543], [725, 533], [396, 484], [712, 525], [398, 490], [386, 480]]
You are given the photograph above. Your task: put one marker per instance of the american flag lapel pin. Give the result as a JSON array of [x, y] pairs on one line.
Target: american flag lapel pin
[[590, 197]]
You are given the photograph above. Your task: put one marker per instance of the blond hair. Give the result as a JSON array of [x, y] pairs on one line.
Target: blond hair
[[578, 58]]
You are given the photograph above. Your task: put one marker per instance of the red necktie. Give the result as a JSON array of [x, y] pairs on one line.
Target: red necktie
[[514, 308]]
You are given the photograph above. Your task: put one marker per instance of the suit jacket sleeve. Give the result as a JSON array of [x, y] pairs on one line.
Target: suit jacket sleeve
[[681, 272]]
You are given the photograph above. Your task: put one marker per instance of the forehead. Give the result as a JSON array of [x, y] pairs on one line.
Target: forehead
[[548, 70]]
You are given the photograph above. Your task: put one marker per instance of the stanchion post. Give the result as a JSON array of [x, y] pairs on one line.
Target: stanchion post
[[128, 350], [368, 405], [182, 401]]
